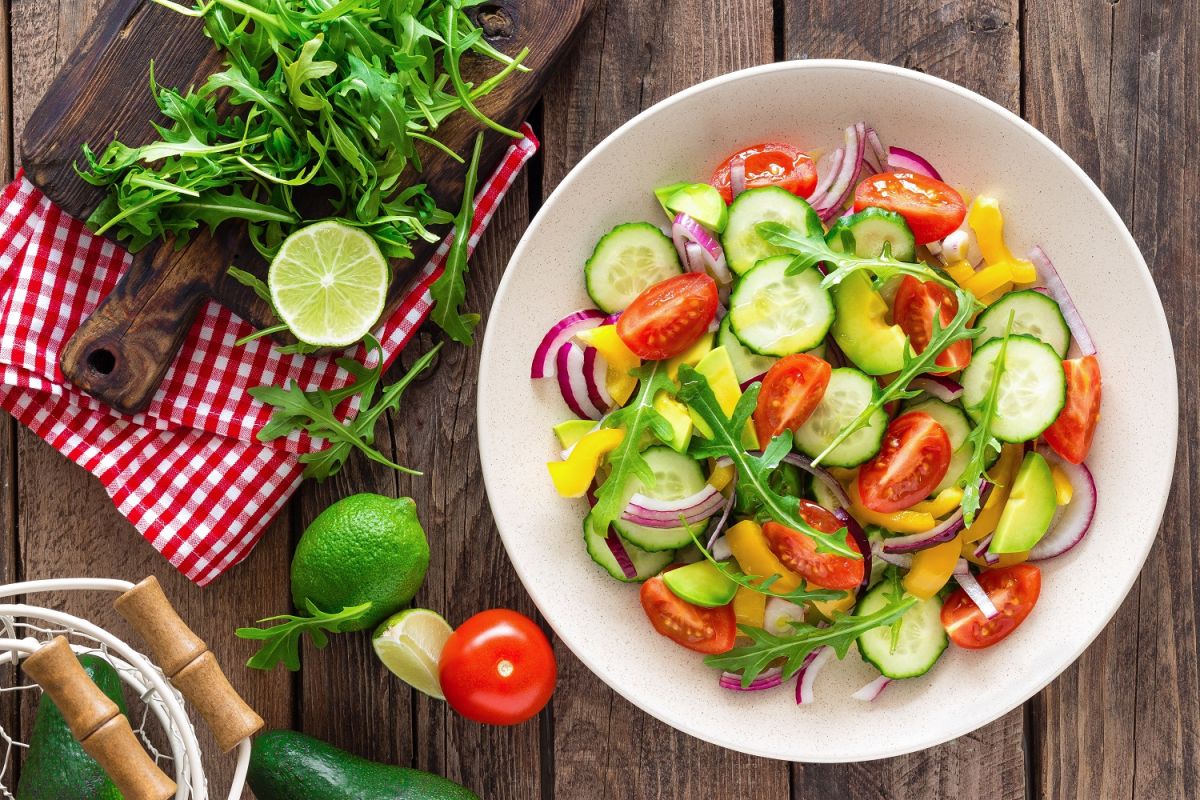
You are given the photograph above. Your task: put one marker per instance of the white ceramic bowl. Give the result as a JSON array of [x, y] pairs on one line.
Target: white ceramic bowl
[[977, 145]]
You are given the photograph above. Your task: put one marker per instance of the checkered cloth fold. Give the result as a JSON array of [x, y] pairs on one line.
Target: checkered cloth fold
[[187, 472]]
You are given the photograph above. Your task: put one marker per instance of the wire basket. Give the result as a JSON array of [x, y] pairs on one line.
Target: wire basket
[[161, 724]]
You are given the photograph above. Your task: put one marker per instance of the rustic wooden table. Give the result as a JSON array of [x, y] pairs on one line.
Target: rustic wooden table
[[1114, 83]]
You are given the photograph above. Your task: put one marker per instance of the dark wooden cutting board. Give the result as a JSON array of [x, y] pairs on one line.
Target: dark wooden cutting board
[[122, 352]]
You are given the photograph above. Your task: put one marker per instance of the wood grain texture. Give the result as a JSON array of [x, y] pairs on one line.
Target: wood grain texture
[[638, 54]]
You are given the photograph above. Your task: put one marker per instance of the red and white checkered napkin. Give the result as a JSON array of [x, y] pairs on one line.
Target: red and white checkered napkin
[[187, 472]]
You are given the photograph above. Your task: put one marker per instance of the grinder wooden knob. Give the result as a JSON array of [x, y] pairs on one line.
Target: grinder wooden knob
[[188, 663], [97, 723]]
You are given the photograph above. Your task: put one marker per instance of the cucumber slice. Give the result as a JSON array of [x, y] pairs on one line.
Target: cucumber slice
[[1032, 313], [776, 314], [743, 246], [862, 329], [645, 564], [626, 260], [921, 642], [676, 476], [1032, 390], [746, 365], [872, 228], [848, 393], [951, 418]]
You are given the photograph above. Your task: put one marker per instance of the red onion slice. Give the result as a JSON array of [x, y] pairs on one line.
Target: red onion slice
[[573, 382], [864, 545], [686, 231], [938, 386], [902, 560], [779, 614], [827, 171], [978, 596], [768, 679], [595, 371], [544, 359], [878, 153], [737, 176], [720, 550], [983, 552], [823, 475], [872, 690], [1058, 291], [901, 160], [620, 554], [943, 532], [807, 676], [651, 513], [1072, 521], [730, 502], [842, 187]]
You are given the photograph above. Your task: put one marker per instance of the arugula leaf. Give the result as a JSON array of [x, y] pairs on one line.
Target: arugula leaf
[[767, 648], [281, 643], [980, 437], [450, 289], [761, 584], [754, 472], [626, 461]]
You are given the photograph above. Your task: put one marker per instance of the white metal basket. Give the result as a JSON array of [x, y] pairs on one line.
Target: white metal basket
[[162, 724]]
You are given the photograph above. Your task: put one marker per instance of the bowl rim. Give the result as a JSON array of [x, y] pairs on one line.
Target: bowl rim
[[1141, 270]]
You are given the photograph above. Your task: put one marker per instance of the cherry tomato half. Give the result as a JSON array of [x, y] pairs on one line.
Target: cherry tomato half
[[1013, 590], [668, 317], [705, 630], [497, 668], [771, 164], [791, 391], [932, 209], [913, 309], [910, 464], [1071, 434], [798, 552]]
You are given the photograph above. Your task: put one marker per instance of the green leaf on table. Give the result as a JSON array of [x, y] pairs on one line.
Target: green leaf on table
[[450, 289], [281, 643]]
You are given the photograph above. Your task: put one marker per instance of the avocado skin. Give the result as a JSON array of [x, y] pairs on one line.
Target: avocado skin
[[286, 765], [57, 766]]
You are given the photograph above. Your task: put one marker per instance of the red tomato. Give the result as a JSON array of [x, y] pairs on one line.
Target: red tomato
[[790, 392], [1013, 590], [771, 164], [913, 309], [1071, 434], [932, 209], [668, 317], [910, 464], [705, 630], [798, 552], [497, 668]]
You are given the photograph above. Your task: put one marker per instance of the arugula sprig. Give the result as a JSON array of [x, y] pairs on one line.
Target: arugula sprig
[[766, 648], [281, 643], [315, 413], [981, 438], [763, 584], [753, 472], [450, 289]]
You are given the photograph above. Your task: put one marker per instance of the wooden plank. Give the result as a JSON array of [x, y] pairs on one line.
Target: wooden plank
[[1114, 84], [638, 53], [67, 525], [977, 46]]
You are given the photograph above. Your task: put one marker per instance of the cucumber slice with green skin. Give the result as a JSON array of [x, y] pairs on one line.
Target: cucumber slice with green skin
[[872, 228], [1029, 510], [626, 261], [646, 564], [959, 460], [861, 328], [776, 314], [746, 365], [1032, 389], [676, 476], [743, 245], [921, 642], [699, 201], [951, 418], [848, 393], [700, 584], [1033, 313]]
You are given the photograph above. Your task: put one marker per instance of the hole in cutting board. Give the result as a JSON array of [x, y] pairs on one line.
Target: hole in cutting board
[[102, 361]]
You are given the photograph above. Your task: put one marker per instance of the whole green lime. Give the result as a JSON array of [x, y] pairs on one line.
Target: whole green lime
[[366, 548]]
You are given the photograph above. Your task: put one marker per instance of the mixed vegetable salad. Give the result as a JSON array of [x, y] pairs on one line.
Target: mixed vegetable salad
[[829, 408]]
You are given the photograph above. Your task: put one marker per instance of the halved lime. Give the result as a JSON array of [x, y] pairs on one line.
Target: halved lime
[[328, 283], [409, 644]]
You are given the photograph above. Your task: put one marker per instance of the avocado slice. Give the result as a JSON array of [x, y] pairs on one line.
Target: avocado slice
[[1029, 510], [718, 370], [701, 584], [861, 329], [570, 432], [676, 414]]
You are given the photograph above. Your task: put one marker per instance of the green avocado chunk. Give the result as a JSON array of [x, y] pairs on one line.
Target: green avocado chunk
[[701, 584], [1029, 510]]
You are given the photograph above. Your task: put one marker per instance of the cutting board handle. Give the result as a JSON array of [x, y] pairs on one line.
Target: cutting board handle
[[121, 353]]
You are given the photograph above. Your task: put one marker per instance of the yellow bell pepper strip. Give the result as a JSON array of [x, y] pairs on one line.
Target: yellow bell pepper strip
[[573, 476], [827, 608], [961, 272], [946, 501], [749, 547], [676, 414], [992, 297], [720, 477], [1003, 472], [932, 568], [898, 522], [1063, 489], [989, 279], [620, 359], [749, 607], [988, 223]]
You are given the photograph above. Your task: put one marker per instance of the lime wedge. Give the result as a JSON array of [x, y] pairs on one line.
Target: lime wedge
[[409, 644], [328, 283]]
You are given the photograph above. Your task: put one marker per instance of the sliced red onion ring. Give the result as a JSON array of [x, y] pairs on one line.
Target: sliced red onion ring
[[875, 147], [596, 370], [618, 550], [685, 232], [779, 614], [901, 160], [720, 550], [824, 476], [838, 193], [864, 545], [1072, 521], [573, 382], [745, 385], [611, 319], [807, 675], [827, 171], [834, 355], [651, 513], [982, 551], [544, 359], [938, 386], [730, 502], [942, 532], [1058, 291], [978, 596], [737, 176], [768, 679], [902, 560], [872, 690]]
